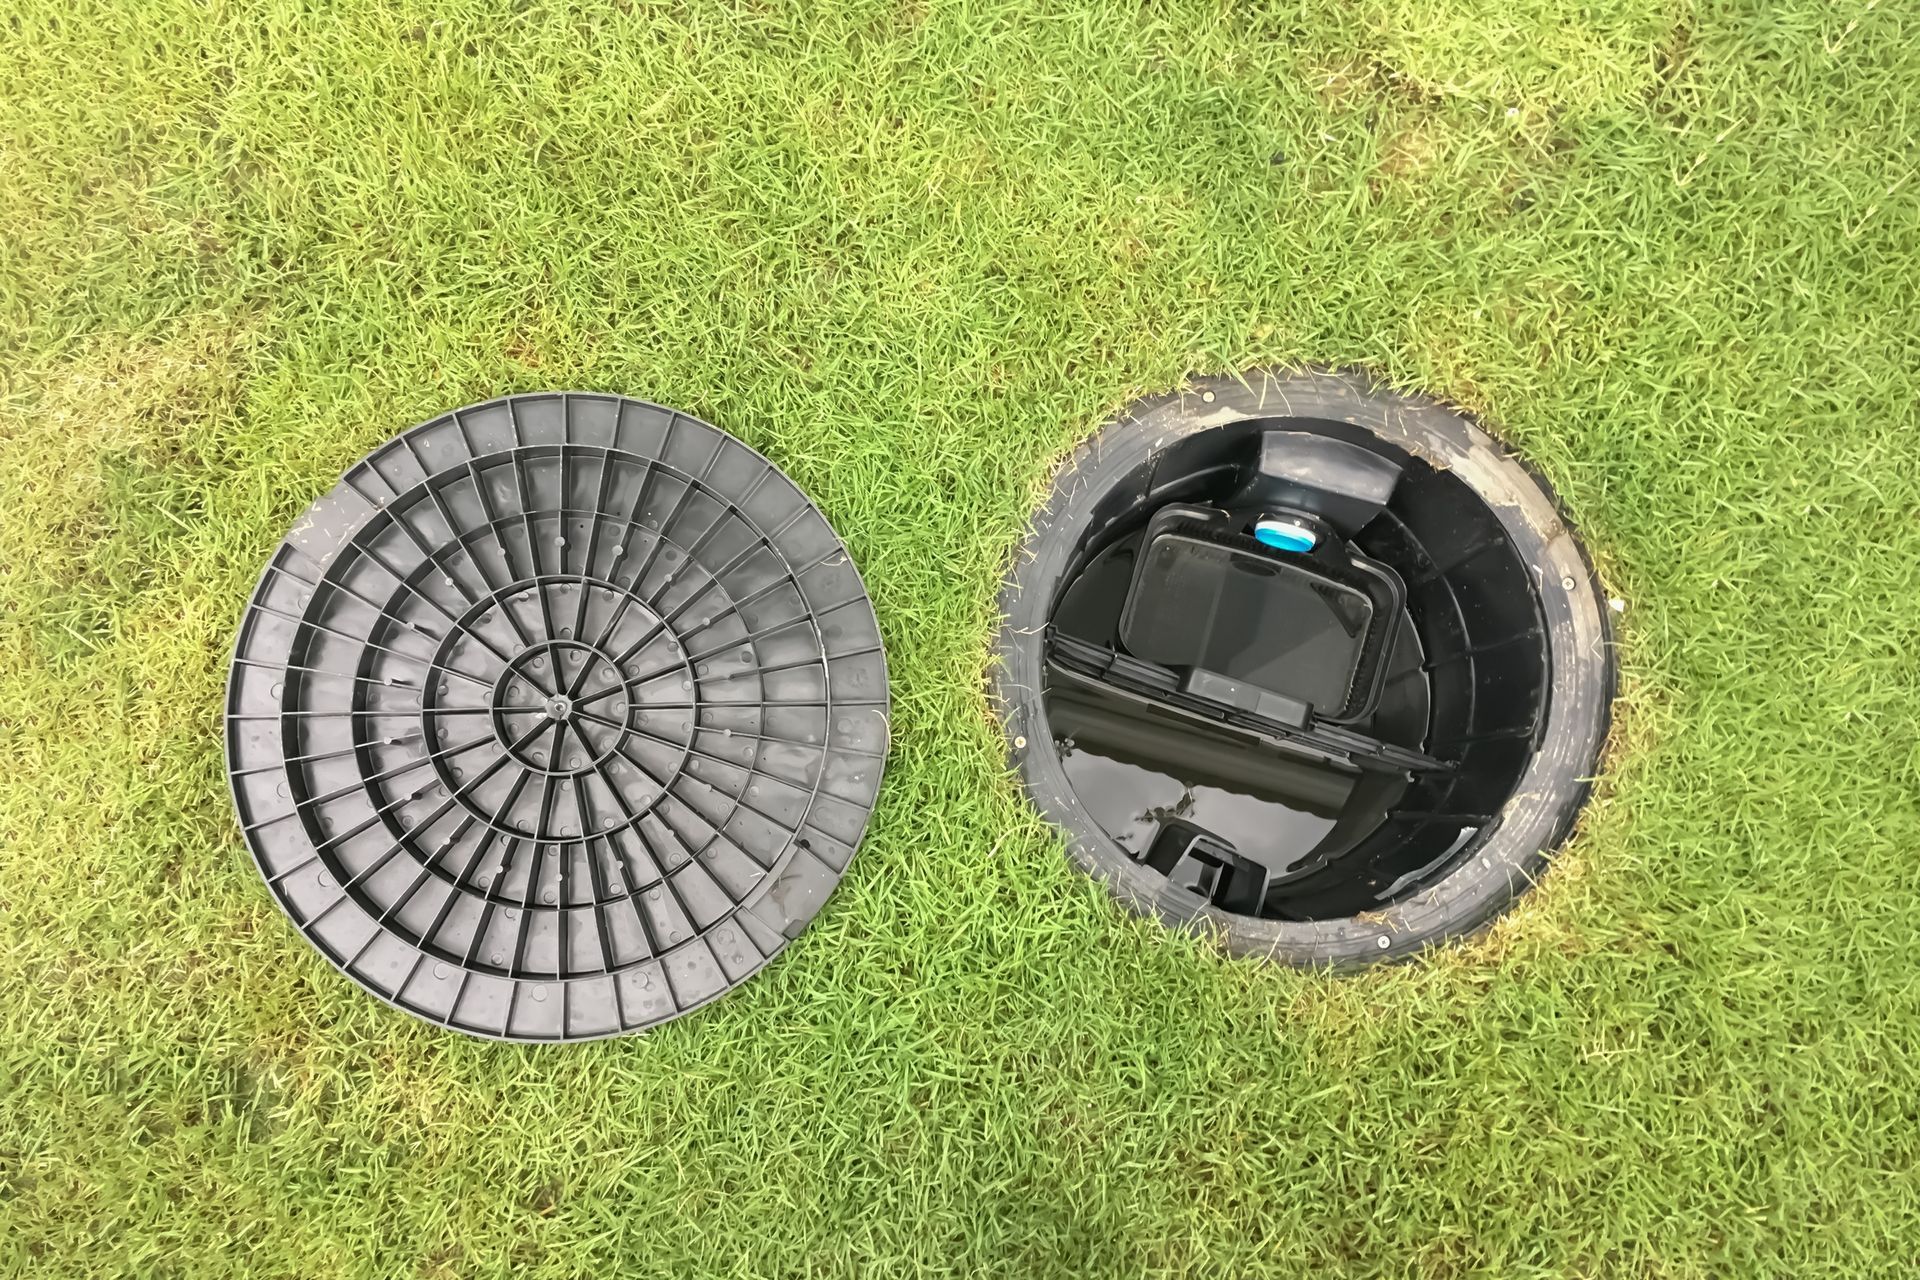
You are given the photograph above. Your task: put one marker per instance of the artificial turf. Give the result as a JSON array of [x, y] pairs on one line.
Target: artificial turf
[[913, 250]]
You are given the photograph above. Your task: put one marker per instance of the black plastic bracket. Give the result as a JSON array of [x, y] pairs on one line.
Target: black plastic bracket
[[1152, 685], [1344, 484]]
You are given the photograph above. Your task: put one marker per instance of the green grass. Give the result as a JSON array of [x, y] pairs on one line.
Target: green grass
[[913, 250]]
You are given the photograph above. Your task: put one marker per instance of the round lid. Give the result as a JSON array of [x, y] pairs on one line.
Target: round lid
[[557, 717]]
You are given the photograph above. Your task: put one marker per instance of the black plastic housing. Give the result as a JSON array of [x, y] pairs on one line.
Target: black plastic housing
[[1213, 780]]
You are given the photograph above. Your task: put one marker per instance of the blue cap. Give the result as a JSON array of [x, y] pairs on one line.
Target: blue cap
[[1285, 535]]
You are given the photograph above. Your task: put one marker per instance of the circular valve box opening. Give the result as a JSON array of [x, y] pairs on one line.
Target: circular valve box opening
[[1317, 665]]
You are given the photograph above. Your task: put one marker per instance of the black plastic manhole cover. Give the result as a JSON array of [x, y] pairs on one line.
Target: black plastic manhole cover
[[558, 717]]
